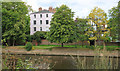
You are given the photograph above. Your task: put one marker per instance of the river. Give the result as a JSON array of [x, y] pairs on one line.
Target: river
[[59, 62]]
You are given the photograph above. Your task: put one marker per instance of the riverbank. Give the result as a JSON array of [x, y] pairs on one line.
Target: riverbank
[[58, 51]]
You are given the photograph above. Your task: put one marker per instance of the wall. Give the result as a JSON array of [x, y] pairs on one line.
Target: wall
[[46, 42], [38, 25]]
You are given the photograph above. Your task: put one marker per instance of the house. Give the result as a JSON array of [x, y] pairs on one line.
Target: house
[[40, 21]]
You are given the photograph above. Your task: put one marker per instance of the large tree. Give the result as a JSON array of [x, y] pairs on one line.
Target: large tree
[[81, 30], [114, 22], [98, 19], [62, 26], [15, 21]]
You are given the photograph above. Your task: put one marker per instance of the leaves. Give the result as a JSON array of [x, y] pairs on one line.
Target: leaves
[[15, 22], [98, 19], [62, 29], [114, 22]]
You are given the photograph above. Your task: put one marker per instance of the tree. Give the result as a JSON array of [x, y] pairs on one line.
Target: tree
[[15, 18], [0, 23], [119, 20], [98, 19], [81, 29], [114, 21], [38, 36], [62, 26]]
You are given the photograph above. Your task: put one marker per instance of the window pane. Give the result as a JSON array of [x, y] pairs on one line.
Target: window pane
[[34, 16], [47, 28], [34, 28], [34, 22], [46, 15], [40, 21], [47, 22], [40, 15], [40, 28]]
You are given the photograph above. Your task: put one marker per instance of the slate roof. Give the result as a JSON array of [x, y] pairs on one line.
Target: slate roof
[[43, 11]]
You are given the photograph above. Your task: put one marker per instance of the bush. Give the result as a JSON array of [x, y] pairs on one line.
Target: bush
[[28, 46], [110, 48], [3, 47], [29, 38], [91, 47], [40, 34]]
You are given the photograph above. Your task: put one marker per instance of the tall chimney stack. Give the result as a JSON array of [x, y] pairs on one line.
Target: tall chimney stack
[[40, 9], [50, 9]]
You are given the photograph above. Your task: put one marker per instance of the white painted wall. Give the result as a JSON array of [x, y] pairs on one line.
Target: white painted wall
[[45, 27]]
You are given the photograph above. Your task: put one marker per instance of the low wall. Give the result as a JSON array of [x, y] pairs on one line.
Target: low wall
[[112, 43], [46, 42]]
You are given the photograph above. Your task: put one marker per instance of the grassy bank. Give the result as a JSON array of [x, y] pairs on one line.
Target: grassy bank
[[65, 46]]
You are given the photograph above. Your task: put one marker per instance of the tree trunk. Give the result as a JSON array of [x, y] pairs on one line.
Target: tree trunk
[[82, 44], [95, 43], [62, 44], [8, 42], [75, 45], [104, 45], [13, 42]]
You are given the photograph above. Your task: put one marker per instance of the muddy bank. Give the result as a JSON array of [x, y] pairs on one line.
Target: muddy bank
[[58, 51]]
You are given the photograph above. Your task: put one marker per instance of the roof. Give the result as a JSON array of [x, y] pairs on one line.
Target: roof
[[43, 11]]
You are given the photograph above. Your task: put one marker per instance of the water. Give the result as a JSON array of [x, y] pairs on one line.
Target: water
[[51, 62]]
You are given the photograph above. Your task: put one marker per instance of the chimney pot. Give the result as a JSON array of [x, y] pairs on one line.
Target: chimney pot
[[50, 9], [40, 9]]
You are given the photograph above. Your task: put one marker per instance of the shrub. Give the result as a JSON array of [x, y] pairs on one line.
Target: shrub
[[28, 46], [39, 34], [91, 47], [3, 47], [29, 38], [110, 48], [38, 40]]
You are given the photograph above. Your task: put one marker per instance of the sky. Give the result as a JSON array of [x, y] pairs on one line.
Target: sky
[[82, 8]]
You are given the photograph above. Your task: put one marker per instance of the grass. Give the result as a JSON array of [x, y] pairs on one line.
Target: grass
[[111, 48]]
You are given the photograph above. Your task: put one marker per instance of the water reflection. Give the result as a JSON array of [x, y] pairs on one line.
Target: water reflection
[[52, 62]]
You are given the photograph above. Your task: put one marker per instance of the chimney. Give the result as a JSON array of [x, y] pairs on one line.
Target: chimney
[[40, 9], [50, 9], [54, 10]]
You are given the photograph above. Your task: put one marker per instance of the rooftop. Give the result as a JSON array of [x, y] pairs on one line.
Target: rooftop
[[43, 11]]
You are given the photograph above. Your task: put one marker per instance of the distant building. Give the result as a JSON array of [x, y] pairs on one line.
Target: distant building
[[40, 21]]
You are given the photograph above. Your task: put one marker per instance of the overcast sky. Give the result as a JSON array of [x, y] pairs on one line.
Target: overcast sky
[[81, 7]]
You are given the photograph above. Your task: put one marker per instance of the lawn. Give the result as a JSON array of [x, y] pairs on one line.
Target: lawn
[[65, 46]]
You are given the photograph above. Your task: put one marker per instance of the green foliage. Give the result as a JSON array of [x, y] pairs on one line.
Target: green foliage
[[24, 64], [62, 26], [90, 47], [110, 48], [38, 36], [81, 30], [15, 21], [29, 38], [114, 21], [98, 18], [28, 46], [3, 47]]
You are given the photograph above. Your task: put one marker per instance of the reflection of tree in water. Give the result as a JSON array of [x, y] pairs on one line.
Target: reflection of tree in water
[[63, 62], [55, 62], [29, 61]]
